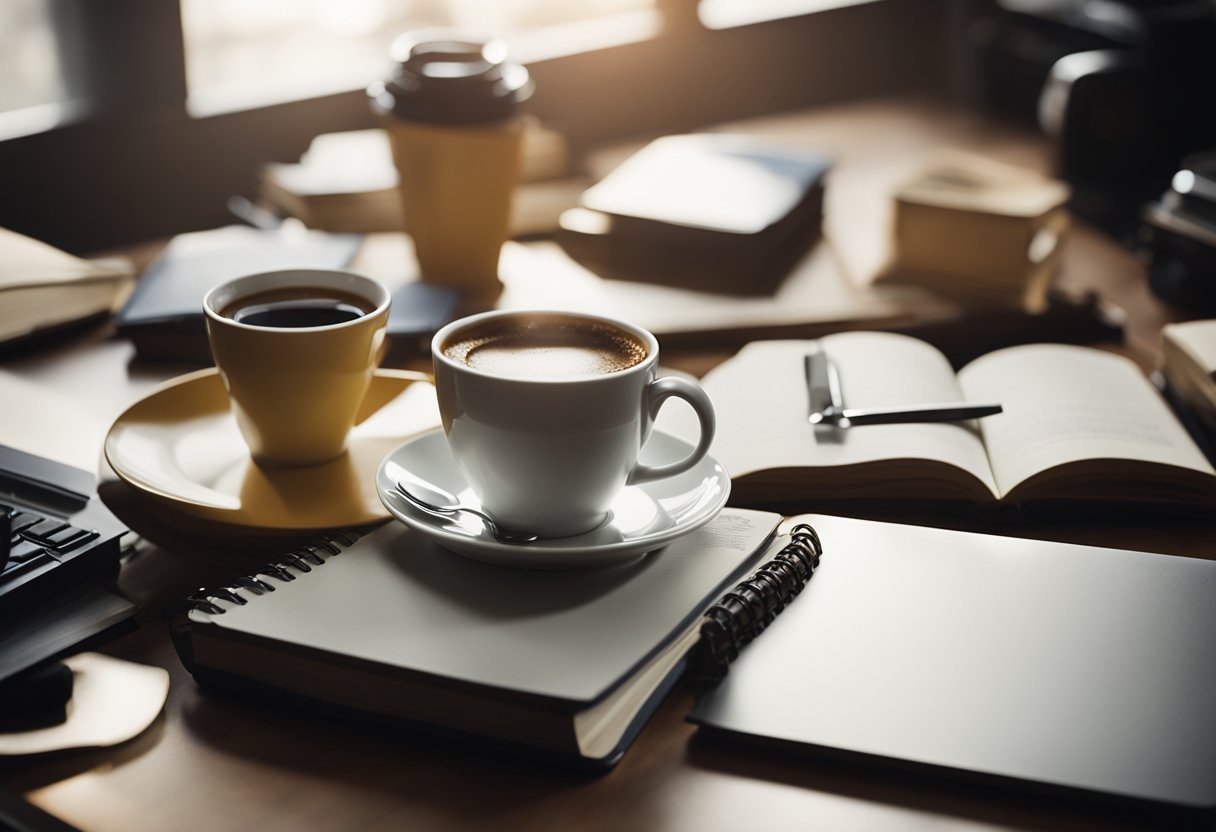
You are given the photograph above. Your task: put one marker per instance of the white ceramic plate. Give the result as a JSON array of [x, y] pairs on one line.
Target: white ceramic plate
[[643, 518]]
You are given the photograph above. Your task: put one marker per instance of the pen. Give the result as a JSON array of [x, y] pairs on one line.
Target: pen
[[947, 412], [827, 402]]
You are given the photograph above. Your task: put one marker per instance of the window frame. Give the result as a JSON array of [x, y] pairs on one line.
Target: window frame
[[131, 163]]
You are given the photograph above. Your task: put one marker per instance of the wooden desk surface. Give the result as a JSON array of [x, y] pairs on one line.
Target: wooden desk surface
[[215, 763]]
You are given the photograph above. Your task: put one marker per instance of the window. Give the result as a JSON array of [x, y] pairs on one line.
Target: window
[[30, 81], [240, 53], [722, 14], [107, 79]]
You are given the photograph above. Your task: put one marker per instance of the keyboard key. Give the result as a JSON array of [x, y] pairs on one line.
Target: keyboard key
[[23, 551], [23, 520], [77, 540], [39, 545], [14, 569], [42, 531], [64, 535]]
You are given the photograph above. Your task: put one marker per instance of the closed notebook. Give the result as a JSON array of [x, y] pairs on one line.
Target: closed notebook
[[1068, 667], [164, 315], [714, 212], [568, 662]]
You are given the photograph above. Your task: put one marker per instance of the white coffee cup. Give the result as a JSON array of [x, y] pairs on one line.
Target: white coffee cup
[[550, 454]]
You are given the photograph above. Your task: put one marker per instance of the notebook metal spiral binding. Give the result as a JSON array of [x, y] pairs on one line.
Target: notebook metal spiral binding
[[745, 611], [283, 569]]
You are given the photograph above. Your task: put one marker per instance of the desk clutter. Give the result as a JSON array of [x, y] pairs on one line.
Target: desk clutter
[[1029, 664], [906, 644]]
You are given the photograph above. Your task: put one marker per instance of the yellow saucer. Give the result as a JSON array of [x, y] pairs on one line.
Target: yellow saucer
[[181, 446]]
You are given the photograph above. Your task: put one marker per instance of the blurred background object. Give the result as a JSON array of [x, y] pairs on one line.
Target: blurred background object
[[979, 231], [168, 109], [712, 212], [1122, 88], [44, 289], [1188, 376], [346, 182], [451, 105], [1179, 237]]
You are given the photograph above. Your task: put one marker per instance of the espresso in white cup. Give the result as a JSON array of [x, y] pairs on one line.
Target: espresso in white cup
[[546, 412]]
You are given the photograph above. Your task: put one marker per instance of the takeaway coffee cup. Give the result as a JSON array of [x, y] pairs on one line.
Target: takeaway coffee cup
[[296, 350], [546, 412], [450, 108]]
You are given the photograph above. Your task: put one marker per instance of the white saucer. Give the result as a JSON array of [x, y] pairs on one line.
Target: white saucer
[[643, 518]]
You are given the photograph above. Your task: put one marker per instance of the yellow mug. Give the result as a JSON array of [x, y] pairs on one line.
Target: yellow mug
[[296, 350]]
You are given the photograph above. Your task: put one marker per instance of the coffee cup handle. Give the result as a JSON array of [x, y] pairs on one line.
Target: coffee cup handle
[[659, 391]]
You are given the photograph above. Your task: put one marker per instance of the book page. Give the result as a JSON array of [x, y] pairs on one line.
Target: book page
[[1066, 404], [761, 401]]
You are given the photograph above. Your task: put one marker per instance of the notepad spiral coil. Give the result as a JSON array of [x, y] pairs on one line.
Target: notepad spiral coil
[[744, 612], [284, 569]]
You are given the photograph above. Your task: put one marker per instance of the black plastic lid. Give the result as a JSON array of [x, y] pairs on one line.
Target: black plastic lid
[[451, 77]]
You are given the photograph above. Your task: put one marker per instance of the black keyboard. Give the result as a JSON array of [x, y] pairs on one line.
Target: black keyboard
[[38, 543], [61, 562]]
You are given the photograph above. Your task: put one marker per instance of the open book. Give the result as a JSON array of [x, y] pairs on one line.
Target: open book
[[1078, 424], [43, 288], [571, 663]]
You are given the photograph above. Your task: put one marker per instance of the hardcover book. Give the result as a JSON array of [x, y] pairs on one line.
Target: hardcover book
[[719, 213]]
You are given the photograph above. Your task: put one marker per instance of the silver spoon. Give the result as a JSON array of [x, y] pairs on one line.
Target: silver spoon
[[433, 499]]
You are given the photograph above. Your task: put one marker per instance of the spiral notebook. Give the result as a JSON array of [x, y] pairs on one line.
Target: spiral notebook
[[567, 662], [1078, 670]]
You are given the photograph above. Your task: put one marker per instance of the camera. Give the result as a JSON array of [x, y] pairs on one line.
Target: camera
[[1121, 87], [1178, 233]]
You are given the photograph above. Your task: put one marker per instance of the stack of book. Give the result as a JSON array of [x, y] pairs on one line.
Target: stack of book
[[1189, 367], [346, 182], [978, 231]]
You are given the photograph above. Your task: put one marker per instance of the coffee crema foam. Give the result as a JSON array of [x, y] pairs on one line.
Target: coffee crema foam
[[546, 348]]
